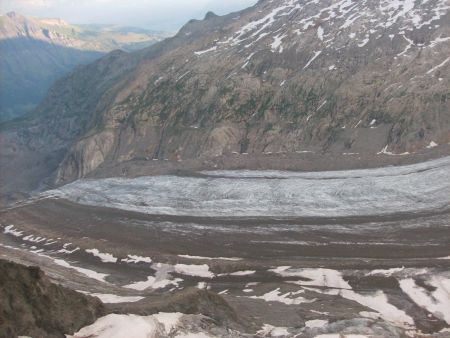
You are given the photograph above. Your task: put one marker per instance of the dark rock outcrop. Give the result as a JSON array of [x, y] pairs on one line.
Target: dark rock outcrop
[[189, 301], [30, 305]]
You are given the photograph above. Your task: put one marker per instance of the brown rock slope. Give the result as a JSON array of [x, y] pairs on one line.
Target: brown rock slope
[[30, 305]]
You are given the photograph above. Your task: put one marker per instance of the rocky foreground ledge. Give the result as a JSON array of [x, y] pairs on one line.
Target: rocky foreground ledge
[[31, 305]]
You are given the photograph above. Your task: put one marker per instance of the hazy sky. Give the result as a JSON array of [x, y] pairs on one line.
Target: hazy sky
[[156, 14]]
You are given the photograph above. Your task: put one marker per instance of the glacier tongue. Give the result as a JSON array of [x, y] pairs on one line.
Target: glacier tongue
[[380, 191]]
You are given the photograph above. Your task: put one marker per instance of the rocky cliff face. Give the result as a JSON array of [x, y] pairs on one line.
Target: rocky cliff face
[[284, 76], [32, 149]]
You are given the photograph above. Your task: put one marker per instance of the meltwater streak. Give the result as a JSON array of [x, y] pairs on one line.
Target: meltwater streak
[[412, 188]]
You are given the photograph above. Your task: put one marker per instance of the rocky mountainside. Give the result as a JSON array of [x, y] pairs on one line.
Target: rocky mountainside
[[285, 76], [35, 52]]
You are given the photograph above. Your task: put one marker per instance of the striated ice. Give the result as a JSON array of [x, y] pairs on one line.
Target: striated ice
[[410, 188]]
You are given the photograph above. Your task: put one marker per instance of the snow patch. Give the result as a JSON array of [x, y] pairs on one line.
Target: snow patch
[[65, 249], [104, 257], [317, 277], [385, 151], [88, 273], [136, 259], [119, 326], [386, 273], [316, 54], [212, 49], [276, 44], [320, 33], [243, 273], [436, 302], [194, 270], [277, 296], [316, 323], [10, 230], [272, 331], [152, 282], [377, 301], [211, 258], [113, 299], [438, 66], [432, 145]]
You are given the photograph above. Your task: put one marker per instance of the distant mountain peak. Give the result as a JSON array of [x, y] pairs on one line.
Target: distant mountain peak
[[210, 15], [54, 22], [12, 14], [36, 51]]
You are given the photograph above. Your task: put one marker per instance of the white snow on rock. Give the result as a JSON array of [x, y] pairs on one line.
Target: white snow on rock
[[364, 42], [105, 257], [113, 299], [334, 283], [317, 277], [152, 282], [338, 335], [316, 54], [194, 335], [385, 272], [242, 273], [432, 145], [136, 259], [436, 302], [33, 239], [257, 26], [194, 270], [377, 301], [277, 296], [272, 331], [9, 230], [439, 65], [276, 44], [160, 280], [372, 18], [316, 323], [212, 49], [120, 326], [66, 250], [168, 319], [385, 151], [320, 33], [211, 258], [202, 285], [88, 273]]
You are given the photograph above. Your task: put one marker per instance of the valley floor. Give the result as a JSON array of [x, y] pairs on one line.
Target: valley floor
[[355, 271]]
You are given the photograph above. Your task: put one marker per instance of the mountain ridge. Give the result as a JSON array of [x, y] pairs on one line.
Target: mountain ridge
[[35, 52], [340, 78]]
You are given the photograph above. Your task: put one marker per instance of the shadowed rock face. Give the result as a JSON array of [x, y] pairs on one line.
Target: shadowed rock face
[[283, 76], [31, 305]]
